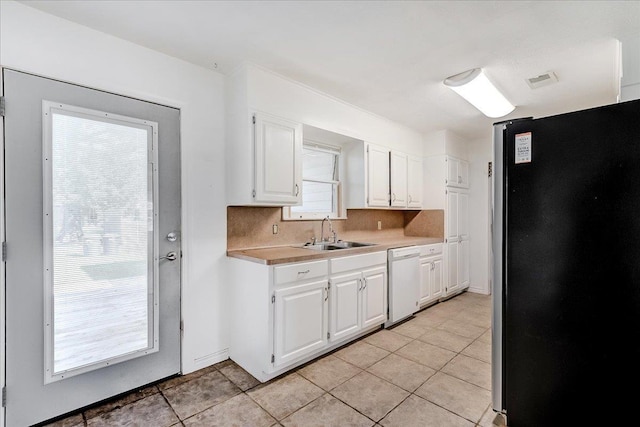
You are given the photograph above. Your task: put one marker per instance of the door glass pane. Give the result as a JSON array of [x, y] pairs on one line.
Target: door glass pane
[[101, 283]]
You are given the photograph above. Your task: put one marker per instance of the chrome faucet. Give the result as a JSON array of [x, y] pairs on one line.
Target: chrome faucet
[[335, 235]]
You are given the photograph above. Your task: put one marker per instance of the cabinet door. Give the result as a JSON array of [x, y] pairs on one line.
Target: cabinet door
[[374, 297], [398, 178], [452, 172], [462, 215], [426, 267], [415, 179], [451, 221], [463, 264], [436, 278], [300, 321], [377, 176], [344, 307], [457, 173], [452, 266], [463, 174], [278, 160]]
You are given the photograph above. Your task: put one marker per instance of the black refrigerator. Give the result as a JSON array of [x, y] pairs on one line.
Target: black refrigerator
[[566, 268]]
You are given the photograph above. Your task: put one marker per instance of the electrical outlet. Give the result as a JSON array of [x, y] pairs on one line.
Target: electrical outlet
[[275, 228], [379, 225]]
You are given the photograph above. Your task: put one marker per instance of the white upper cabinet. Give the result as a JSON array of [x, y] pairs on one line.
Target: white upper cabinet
[[260, 174], [398, 179], [377, 176], [278, 160], [264, 154], [415, 180], [457, 173]]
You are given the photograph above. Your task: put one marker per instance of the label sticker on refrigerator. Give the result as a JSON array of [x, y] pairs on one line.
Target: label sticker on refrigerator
[[523, 148]]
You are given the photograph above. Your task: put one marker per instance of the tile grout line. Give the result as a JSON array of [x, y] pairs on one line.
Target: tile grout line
[[219, 365]]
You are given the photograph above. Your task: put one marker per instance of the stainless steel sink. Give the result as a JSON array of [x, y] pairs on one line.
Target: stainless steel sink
[[330, 246]]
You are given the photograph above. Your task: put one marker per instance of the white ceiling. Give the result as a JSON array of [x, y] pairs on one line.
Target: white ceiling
[[390, 57]]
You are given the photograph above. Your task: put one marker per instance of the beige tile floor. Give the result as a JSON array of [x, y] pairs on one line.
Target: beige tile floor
[[432, 370]]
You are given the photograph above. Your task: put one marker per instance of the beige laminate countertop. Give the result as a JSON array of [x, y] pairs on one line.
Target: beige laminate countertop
[[296, 253]]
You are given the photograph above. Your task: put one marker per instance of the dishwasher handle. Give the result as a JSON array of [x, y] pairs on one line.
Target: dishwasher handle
[[412, 255]]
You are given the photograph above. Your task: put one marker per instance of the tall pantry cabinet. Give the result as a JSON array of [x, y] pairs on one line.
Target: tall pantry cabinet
[[447, 188]]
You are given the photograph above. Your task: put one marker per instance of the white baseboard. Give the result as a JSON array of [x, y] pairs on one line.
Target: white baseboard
[[209, 359], [482, 291]]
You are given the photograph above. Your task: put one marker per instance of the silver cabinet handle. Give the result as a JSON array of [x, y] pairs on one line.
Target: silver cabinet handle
[[303, 272], [394, 197], [433, 265], [297, 190], [365, 283], [409, 198], [327, 294], [359, 284], [171, 256]]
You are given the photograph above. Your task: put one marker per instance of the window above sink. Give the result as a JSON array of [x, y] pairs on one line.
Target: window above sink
[[323, 164]]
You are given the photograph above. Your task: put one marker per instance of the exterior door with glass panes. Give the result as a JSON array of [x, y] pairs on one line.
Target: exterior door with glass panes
[[92, 201]]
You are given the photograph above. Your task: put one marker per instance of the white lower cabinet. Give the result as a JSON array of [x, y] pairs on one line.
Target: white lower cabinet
[[300, 321], [374, 297], [282, 316], [345, 305], [431, 273], [358, 301]]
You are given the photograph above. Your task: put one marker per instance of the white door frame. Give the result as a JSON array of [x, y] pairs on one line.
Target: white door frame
[[2, 284]]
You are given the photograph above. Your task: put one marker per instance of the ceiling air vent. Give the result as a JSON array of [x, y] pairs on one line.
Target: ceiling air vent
[[542, 80]]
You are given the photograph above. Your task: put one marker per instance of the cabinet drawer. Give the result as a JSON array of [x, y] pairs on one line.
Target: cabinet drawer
[[357, 262], [426, 250], [300, 271]]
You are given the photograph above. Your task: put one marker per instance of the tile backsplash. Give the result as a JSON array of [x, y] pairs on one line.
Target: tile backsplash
[[252, 227]]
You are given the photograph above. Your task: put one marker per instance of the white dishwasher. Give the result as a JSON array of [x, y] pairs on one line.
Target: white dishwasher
[[404, 283]]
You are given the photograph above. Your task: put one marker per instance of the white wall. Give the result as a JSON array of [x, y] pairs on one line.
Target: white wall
[[444, 142], [278, 95], [42, 44], [480, 154]]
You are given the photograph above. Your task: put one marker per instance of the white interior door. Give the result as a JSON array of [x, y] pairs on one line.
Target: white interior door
[[92, 202]]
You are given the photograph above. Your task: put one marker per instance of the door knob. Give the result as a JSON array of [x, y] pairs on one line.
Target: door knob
[[172, 237], [171, 256]]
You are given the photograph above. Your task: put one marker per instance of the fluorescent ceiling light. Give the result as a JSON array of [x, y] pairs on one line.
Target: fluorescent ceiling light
[[475, 87]]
